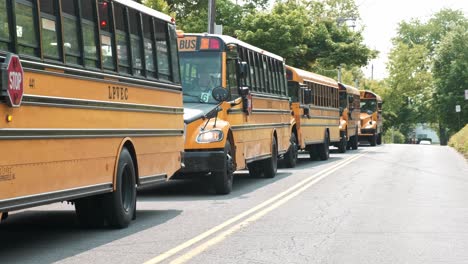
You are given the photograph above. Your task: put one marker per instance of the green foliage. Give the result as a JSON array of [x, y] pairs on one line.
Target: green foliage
[[192, 16], [306, 36], [459, 141], [392, 135], [451, 78], [160, 5], [412, 82]]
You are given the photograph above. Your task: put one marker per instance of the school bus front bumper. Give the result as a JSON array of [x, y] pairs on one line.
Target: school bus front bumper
[[204, 161]]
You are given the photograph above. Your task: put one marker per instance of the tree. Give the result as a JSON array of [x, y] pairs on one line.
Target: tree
[[305, 35], [451, 78], [411, 83]]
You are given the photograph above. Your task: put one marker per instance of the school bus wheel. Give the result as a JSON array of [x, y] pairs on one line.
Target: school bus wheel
[[121, 204], [373, 139], [223, 179], [290, 158], [270, 165], [324, 148]]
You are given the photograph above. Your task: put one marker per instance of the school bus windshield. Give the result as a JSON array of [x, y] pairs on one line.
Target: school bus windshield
[[368, 105], [200, 73]]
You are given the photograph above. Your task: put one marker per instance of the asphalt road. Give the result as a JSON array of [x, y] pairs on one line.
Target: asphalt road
[[387, 204]]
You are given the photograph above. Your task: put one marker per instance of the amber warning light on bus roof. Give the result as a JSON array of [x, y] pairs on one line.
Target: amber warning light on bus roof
[[210, 43], [12, 80]]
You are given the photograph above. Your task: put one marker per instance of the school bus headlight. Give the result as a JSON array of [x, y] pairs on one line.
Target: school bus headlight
[[369, 124], [210, 136]]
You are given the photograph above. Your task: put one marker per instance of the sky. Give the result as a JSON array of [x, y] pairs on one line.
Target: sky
[[381, 18]]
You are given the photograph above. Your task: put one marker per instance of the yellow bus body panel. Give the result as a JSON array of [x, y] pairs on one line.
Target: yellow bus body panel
[[67, 132]]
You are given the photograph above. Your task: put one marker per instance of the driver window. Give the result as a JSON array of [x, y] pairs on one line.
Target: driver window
[[232, 79]]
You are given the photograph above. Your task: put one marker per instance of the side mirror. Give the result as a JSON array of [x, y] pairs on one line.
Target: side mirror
[[220, 94], [243, 69]]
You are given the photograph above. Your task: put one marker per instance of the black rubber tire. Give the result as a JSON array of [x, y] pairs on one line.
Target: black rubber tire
[[255, 170], [379, 139], [324, 148], [223, 180], [121, 204], [290, 158], [313, 152], [270, 165], [373, 140], [90, 212], [342, 146]]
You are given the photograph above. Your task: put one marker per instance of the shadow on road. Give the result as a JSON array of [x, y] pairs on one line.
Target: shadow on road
[[26, 235], [201, 189]]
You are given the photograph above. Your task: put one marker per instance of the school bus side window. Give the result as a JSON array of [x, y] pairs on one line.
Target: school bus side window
[[89, 30], [162, 50], [70, 26], [25, 28], [148, 46], [122, 38], [174, 53], [232, 78], [49, 27], [4, 31], [135, 42], [107, 36]]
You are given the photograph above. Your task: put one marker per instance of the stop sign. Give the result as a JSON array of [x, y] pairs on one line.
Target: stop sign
[[13, 79]]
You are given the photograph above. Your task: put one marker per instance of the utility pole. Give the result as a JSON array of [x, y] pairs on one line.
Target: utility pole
[[372, 72], [211, 15], [339, 73]]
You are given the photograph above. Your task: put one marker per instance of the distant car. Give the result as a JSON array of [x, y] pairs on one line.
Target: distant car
[[425, 142]]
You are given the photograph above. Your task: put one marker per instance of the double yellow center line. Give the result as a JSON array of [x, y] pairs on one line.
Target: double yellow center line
[[247, 217]]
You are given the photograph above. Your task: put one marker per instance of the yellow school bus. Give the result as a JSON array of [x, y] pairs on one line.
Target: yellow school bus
[[350, 122], [371, 118], [315, 105], [248, 126], [91, 104]]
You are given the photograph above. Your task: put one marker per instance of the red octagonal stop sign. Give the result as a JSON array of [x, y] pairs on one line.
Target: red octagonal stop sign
[[13, 79]]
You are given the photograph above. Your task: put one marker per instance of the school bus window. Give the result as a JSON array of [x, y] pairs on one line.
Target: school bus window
[[279, 78], [148, 46], [273, 76], [50, 46], [162, 50], [135, 42], [4, 32], [89, 33], [232, 78], [174, 53], [107, 46], [122, 38], [251, 70], [70, 27], [25, 28]]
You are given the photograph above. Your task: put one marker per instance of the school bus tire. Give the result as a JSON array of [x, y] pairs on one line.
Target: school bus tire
[[290, 159], [373, 139], [324, 148], [379, 139], [355, 141], [343, 144], [90, 212], [223, 180], [121, 204], [270, 165]]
